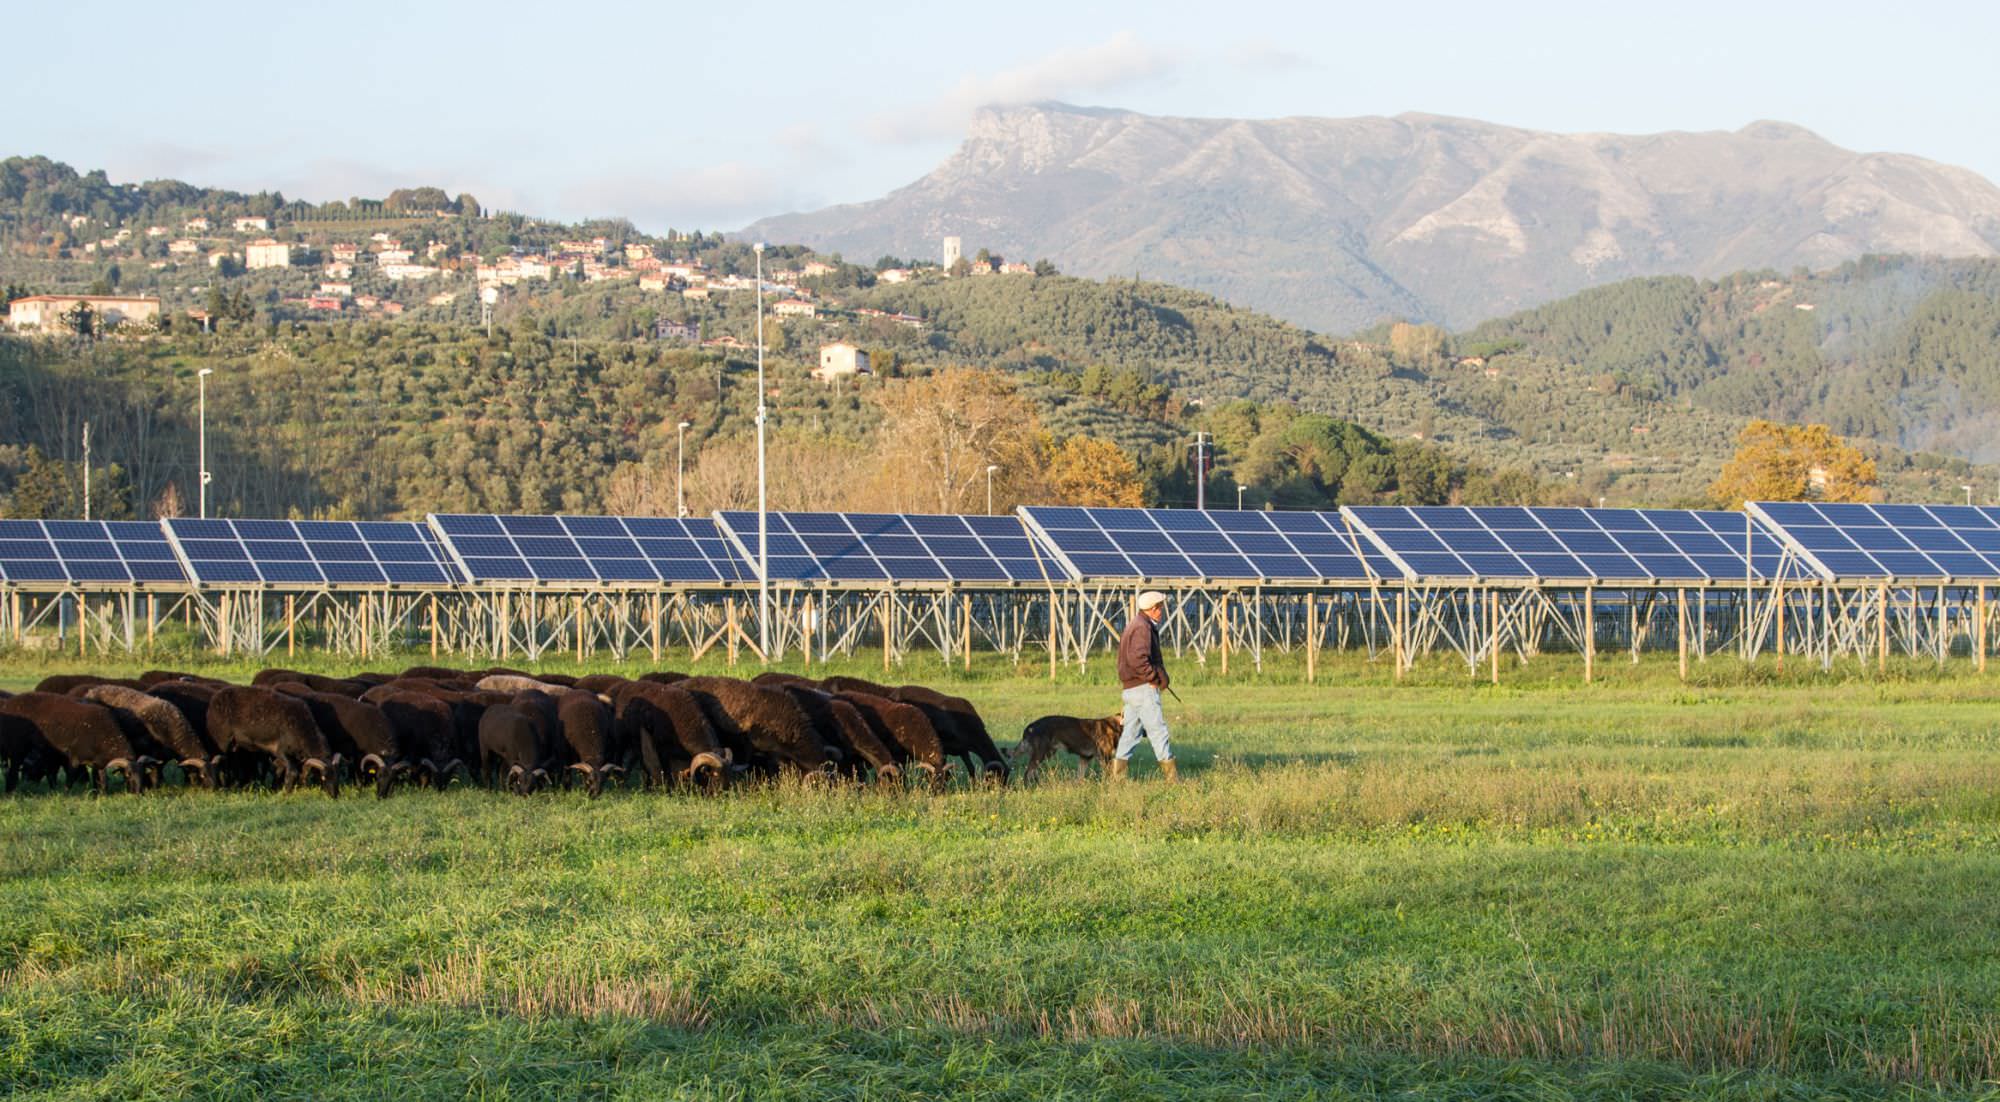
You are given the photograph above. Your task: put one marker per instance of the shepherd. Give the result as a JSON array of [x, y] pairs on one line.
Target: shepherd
[[1142, 675]]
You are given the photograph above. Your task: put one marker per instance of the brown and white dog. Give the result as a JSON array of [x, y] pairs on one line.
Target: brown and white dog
[[1089, 739]]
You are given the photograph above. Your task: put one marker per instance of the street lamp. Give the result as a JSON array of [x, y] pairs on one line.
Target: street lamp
[[201, 382], [990, 468], [1968, 493], [680, 468], [1239, 494], [763, 522]]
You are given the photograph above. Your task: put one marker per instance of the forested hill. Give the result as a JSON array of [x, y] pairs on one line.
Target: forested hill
[[1896, 349]]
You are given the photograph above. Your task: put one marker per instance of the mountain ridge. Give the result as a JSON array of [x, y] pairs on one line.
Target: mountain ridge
[[1340, 223]]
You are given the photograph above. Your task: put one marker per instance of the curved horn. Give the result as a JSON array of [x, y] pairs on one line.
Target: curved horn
[[712, 761], [123, 764], [316, 763], [888, 773], [583, 766], [924, 767], [374, 759]]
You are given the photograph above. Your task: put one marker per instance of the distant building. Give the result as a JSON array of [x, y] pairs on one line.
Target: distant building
[[195, 225], [397, 273], [339, 269], [266, 253], [337, 290], [182, 246], [323, 302], [894, 275], [838, 360], [46, 311], [816, 268], [345, 253], [393, 256], [156, 231], [689, 331], [952, 252], [252, 224], [795, 308]]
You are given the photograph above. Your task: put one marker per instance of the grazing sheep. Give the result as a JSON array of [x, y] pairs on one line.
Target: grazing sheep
[[958, 723], [842, 728], [425, 729], [26, 754], [765, 727], [673, 736], [164, 724], [601, 683], [904, 730], [663, 677], [586, 726], [511, 746], [1089, 739], [515, 683], [76, 733], [358, 731], [253, 719], [63, 684]]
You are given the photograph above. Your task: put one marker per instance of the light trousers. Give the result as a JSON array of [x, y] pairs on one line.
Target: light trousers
[[1144, 713]]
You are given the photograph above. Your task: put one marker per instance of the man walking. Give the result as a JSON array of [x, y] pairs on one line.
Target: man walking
[[1141, 674]]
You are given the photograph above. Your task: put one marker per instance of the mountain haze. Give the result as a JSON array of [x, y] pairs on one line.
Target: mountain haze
[[1341, 223]]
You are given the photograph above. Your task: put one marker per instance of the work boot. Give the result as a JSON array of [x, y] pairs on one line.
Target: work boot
[[1118, 767], [1171, 770]]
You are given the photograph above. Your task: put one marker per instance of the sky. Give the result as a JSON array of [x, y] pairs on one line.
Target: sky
[[709, 115]]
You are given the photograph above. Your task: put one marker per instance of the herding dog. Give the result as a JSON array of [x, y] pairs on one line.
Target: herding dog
[[1089, 739]]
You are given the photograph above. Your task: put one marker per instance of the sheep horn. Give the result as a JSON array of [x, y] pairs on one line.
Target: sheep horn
[[888, 773], [514, 774], [376, 759], [618, 769], [712, 761], [924, 767], [315, 764], [122, 764], [585, 767]]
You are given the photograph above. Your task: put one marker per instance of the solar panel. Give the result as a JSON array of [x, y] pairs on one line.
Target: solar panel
[[86, 551], [614, 550], [891, 547], [310, 552], [1190, 544], [1856, 542], [1604, 545]]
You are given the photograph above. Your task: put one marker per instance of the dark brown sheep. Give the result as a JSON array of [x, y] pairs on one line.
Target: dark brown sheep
[[586, 726], [904, 730], [765, 727], [84, 736], [960, 726], [425, 729], [358, 731], [673, 736], [253, 719], [841, 727], [512, 748], [601, 682], [165, 725], [66, 683], [663, 677]]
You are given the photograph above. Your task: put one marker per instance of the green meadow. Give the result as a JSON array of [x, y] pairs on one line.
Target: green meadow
[[1754, 885]]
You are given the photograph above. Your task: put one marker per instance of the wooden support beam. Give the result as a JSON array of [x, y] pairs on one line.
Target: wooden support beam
[[1402, 628], [1589, 635], [965, 632], [1222, 625], [1780, 591], [434, 626], [888, 628], [1682, 632], [1312, 638], [1882, 628], [291, 635], [653, 622], [1493, 633], [729, 614], [1979, 629]]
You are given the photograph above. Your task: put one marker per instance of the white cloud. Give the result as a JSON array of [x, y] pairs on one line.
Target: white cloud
[[1119, 61], [1262, 55]]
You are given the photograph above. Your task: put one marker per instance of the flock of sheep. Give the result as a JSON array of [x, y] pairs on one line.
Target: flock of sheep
[[503, 727]]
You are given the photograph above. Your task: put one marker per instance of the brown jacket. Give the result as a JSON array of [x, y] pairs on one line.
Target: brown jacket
[[1139, 655]]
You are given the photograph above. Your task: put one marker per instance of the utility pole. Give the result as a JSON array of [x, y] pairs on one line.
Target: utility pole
[[201, 382], [680, 468], [86, 471], [763, 521], [1201, 470]]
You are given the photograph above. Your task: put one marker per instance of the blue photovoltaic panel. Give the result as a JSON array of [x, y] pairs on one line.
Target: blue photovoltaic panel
[[1605, 545], [611, 550], [891, 547], [1191, 544], [1852, 542], [244, 551], [86, 551]]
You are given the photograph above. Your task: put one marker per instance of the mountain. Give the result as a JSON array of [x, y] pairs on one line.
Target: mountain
[[1337, 224]]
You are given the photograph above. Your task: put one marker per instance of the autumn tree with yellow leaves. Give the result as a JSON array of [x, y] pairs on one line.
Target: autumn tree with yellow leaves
[[1775, 462], [1083, 470]]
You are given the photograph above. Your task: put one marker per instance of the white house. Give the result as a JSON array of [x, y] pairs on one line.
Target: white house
[[840, 359], [266, 253]]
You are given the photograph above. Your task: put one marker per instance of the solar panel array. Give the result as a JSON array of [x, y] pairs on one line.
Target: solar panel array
[[898, 547], [310, 552], [1233, 545], [494, 548], [86, 551], [1851, 541], [1633, 545]]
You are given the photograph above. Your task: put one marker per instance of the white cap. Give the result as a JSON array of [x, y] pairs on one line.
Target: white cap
[[1150, 598]]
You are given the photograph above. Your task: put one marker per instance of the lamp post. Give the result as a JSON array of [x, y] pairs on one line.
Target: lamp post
[[990, 468], [763, 522], [1201, 470], [1968, 493], [201, 383], [1239, 495], [680, 468]]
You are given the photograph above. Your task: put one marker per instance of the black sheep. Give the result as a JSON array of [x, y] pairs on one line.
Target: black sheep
[[82, 735], [964, 732], [842, 728], [64, 684], [253, 719], [605, 683], [586, 726], [904, 729], [425, 729], [358, 731], [512, 748], [765, 727], [674, 738], [164, 725]]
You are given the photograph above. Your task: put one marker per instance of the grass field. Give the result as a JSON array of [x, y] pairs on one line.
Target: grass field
[[1757, 886]]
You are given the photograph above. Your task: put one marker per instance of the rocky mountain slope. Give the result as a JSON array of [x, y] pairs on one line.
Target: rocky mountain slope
[[1340, 223]]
